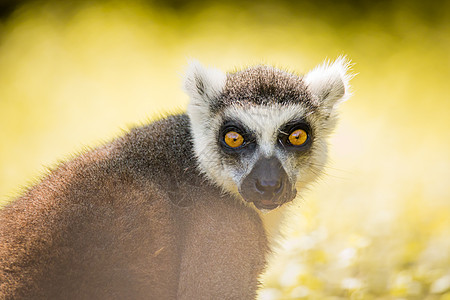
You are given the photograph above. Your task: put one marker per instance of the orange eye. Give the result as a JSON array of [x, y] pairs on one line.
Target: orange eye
[[298, 137], [233, 139]]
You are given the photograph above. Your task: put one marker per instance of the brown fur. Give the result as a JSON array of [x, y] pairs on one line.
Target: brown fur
[[140, 217], [122, 222]]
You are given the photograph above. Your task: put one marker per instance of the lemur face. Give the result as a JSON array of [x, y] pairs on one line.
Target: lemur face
[[266, 149], [260, 133]]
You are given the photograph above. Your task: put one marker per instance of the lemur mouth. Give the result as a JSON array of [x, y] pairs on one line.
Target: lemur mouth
[[270, 204], [266, 204]]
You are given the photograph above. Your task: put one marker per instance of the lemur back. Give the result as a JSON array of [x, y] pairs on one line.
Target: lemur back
[[171, 210]]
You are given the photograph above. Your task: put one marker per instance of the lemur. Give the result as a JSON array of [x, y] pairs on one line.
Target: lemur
[[172, 210]]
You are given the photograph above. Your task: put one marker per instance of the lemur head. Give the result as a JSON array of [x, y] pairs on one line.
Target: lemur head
[[260, 133]]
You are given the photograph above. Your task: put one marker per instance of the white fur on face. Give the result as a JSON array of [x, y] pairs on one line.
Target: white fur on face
[[328, 85], [204, 85], [265, 123]]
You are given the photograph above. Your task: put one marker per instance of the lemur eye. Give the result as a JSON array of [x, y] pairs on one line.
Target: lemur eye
[[298, 137], [233, 139]]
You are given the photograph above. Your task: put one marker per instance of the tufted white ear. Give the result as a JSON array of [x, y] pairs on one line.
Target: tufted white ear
[[203, 85], [329, 82]]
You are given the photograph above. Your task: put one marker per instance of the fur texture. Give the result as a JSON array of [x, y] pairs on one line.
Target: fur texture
[[157, 213], [263, 99], [118, 223]]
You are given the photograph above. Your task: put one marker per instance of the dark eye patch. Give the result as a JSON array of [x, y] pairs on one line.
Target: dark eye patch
[[235, 126], [286, 130]]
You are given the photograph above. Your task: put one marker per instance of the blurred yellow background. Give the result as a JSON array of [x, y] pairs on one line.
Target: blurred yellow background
[[76, 74]]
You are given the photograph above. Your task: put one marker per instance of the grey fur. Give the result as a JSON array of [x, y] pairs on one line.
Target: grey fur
[[263, 85], [142, 217]]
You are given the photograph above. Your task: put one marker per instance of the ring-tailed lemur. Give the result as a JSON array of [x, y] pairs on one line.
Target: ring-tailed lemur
[[170, 210]]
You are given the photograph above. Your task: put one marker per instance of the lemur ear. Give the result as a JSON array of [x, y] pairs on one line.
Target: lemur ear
[[203, 85], [329, 82]]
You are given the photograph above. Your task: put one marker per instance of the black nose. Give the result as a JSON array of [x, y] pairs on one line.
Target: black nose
[[269, 187]]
